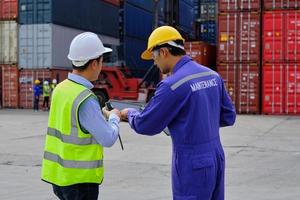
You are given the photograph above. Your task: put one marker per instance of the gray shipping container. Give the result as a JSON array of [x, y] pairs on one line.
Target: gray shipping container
[[47, 45], [8, 42]]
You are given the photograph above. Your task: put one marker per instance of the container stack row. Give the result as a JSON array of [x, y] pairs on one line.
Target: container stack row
[[35, 38], [281, 57], [238, 52]]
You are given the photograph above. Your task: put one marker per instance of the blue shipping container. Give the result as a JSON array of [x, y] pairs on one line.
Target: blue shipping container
[[186, 16], [208, 11], [190, 2], [138, 23], [208, 32], [148, 5], [91, 15], [133, 49]]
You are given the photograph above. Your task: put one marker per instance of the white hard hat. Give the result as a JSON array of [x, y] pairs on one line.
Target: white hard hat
[[84, 47], [46, 82], [54, 81]]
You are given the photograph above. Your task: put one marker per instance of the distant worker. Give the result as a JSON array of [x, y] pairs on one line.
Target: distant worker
[[37, 91], [54, 83], [77, 128], [46, 95], [193, 103]]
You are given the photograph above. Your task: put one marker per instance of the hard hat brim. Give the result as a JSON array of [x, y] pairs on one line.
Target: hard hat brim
[[146, 55]]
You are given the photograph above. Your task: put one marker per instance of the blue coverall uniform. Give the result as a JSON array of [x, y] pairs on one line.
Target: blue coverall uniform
[[193, 104]]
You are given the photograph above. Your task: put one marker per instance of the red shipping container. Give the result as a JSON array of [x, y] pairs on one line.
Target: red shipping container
[[202, 53], [8, 9], [26, 83], [113, 2], [273, 88], [292, 36], [228, 73], [273, 36], [242, 83], [239, 37], [292, 100], [236, 5], [248, 88], [228, 39], [10, 75], [281, 4]]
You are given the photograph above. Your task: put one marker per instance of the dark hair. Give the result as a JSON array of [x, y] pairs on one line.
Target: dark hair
[[84, 67], [175, 51]]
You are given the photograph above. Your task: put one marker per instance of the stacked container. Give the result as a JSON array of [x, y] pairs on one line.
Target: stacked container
[[281, 58], [8, 53], [45, 34], [206, 17], [239, 52]]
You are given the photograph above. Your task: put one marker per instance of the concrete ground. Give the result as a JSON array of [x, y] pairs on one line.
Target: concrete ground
[[263, 160]]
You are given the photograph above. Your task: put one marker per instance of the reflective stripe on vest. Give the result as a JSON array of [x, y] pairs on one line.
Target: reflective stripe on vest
[[73, 137], [73, 163], [190, 77]]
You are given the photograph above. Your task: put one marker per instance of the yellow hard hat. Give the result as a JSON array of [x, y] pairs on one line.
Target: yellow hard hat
[[159, 36], [37, 81]]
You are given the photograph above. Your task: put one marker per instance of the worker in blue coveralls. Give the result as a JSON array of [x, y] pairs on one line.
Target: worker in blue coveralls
[[193, 103]]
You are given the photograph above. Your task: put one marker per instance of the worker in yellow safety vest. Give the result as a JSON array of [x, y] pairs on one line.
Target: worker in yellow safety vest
[[77, 128]]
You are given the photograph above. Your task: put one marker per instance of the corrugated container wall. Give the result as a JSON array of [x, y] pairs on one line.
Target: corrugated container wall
[[10, 76], [239, 37], [239, 5], [186, 17], [113, 2], [242, 82], [8, 9], [132, 54], [281, 4], [26, 83], [201, 52], [281, 38], [281, 88], [208, 32], [97, 16], [47, 45], [138, 23], [8, 42]]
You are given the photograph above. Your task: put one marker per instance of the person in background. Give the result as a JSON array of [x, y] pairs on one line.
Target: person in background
[[46, 95], [37, 91], [53, 85], [77, 128], [193, 103]]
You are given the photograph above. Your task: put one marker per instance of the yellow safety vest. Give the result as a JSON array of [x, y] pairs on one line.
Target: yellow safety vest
[[71, 156]]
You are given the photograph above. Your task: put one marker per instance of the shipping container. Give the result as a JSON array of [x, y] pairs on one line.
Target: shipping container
[[239, 5], [292, 100], [201, 52], [10, 75], [97, 16], [281, 4], [8, 42], [186, 16], [8, 9], [133, 48], [143, 4], [26, 83], [113, 2], [292, 36], [208, 11], [273, 36], [228, 72], [273, 88], [242, 83], [208, 32], [248, 89], [47, 45], [138, 23], [239, 37]]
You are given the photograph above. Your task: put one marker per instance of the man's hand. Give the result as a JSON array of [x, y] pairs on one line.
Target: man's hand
[[124, 113], [106, 112]]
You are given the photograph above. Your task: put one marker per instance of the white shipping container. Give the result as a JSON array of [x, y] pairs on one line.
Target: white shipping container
[[8, 42], [47, 45]]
